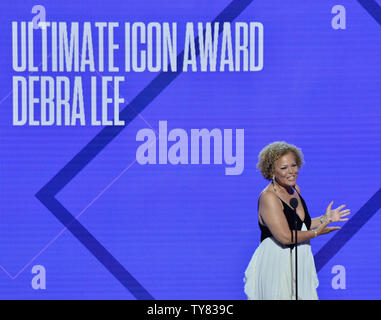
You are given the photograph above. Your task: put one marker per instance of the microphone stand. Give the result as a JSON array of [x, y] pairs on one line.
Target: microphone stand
[[294, 204]]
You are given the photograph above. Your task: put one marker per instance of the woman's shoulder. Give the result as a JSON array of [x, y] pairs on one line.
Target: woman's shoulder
[[269, 202], [268, 195]]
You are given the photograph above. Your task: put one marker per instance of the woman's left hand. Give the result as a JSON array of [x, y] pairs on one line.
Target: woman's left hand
[[334, 215]]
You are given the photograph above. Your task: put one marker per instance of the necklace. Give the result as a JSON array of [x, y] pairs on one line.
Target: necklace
[[290, 192]]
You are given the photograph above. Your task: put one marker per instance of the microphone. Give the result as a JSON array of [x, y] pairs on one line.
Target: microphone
[[294, 204]]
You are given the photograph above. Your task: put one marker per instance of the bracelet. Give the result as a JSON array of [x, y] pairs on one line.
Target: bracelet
[[315, 231], [321, 219]]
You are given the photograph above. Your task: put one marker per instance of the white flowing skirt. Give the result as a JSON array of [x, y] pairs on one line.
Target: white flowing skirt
[[270, 274]]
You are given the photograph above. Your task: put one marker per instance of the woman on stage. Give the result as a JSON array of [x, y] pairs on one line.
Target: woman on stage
[[271, 271]]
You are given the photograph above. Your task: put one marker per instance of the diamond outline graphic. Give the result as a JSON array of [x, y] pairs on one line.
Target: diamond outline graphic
[[48, 192], [370, 208]]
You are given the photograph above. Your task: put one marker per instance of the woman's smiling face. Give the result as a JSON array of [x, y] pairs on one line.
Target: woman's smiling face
[[286, 170]]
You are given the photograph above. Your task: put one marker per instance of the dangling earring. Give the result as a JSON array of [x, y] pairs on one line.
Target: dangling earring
[[274, 182]]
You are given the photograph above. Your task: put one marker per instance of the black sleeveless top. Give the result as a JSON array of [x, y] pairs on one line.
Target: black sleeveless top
[[290, 216]]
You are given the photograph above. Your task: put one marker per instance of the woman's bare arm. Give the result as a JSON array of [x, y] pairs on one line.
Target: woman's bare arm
[[272, 215]]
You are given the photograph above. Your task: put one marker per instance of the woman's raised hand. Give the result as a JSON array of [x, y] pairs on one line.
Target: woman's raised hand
[[334, 215]]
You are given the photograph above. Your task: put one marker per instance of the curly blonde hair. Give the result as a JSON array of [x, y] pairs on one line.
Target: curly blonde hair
[[272, 152]]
